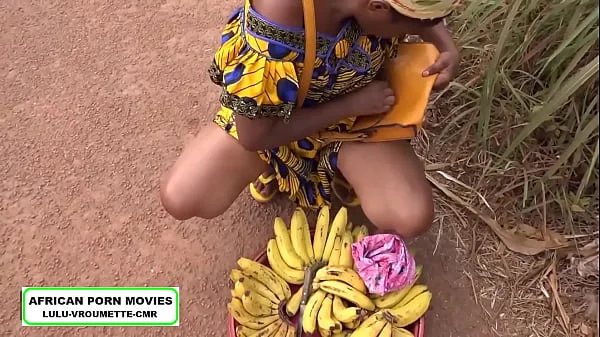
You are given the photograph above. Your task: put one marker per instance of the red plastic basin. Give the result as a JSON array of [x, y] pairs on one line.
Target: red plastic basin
[[418, 328]]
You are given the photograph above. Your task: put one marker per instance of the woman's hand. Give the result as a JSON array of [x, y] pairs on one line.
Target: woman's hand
[[445, 66], [374, 99]]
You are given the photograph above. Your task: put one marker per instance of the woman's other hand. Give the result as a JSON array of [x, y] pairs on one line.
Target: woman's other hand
[[374, 99]]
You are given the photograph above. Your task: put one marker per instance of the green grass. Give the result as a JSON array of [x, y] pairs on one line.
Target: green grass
[[528, 89]]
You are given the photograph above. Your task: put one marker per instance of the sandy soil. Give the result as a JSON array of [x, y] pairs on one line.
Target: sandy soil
[[96, 98]]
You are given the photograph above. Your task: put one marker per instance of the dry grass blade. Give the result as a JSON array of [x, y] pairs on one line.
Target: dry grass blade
[[514, 242]]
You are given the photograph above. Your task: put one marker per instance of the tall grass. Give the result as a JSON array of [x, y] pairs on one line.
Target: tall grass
[[530, 76]]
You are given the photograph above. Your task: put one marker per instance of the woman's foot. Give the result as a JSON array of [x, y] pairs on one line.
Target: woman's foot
[[265, 187]]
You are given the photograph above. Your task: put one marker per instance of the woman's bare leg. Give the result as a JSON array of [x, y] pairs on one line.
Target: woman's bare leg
[[211, 172], [390, 181]]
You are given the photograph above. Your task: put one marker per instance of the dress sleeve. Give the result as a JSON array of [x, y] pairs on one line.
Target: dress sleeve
[[254, 84]]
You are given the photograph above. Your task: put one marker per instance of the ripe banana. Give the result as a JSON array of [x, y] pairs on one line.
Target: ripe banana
[[293, 276], [334, 258], [291, 332], [293, 304], [257, 305], [242, 331], [348, 293], [353, 325], [411, 312], [401, 332], [307, 238], [386, 331], [345, 333], [321, 231], [392, 299], [371, 327], [343, 314], [309, 318], [270, 330], [344, 274], [346, 259], [284, 243], [251, 284], [282, 331], [236, 308], [238, 290], [414, 291], [266, 276], [359, 232], [324, 317], [337, 226], [325, 333], [297, 234]]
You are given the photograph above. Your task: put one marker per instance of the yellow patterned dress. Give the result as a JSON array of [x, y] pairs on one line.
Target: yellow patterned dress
[[258, 66]]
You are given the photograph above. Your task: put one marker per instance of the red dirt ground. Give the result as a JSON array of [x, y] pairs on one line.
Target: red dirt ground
[[96, 98]]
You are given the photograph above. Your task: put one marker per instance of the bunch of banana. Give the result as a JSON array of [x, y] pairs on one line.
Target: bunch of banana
[[258, 296], [328, 239]]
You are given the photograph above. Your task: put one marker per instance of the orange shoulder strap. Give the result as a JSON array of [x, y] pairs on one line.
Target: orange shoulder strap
[[310, 50]]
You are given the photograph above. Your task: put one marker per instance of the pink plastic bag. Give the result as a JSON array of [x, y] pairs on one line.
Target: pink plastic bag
[[384, 263]]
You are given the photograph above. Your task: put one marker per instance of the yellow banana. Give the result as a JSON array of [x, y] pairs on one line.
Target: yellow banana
[[321, 231], [352, 325], [344, 274], [243, 317], [401, 332], [266, 276], [291, 331], [386, 331], [325, 333], [284, 243], [324, 317], [348, 293], [414, 291], [293, 304], [282, 331], [392, 299], [309, 318], [334, 258], [344, 333], [257, 305], [337, 226], [242, 331], [371, 327], [307, 238], [252, 284], [270, 330], [238, 290], [297, 234], [346, 259], [293, 276], [411, 312], [343, 314], [359, 232]]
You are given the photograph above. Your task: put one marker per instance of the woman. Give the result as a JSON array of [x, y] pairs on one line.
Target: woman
[[259, 132]]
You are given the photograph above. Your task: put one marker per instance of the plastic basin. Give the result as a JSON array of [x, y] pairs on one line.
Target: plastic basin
[[418, 328]]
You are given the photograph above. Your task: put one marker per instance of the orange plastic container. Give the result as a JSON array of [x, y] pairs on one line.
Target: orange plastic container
[[418, 328]]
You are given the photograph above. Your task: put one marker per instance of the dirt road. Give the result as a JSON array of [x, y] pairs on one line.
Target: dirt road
[[96, 98]]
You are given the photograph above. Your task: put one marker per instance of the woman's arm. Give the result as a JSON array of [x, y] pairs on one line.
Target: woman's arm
[[440, 37], [264, 133]]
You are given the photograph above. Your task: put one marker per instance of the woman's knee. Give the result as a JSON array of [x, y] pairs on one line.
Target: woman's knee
[[408, 217], [183, 206]]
